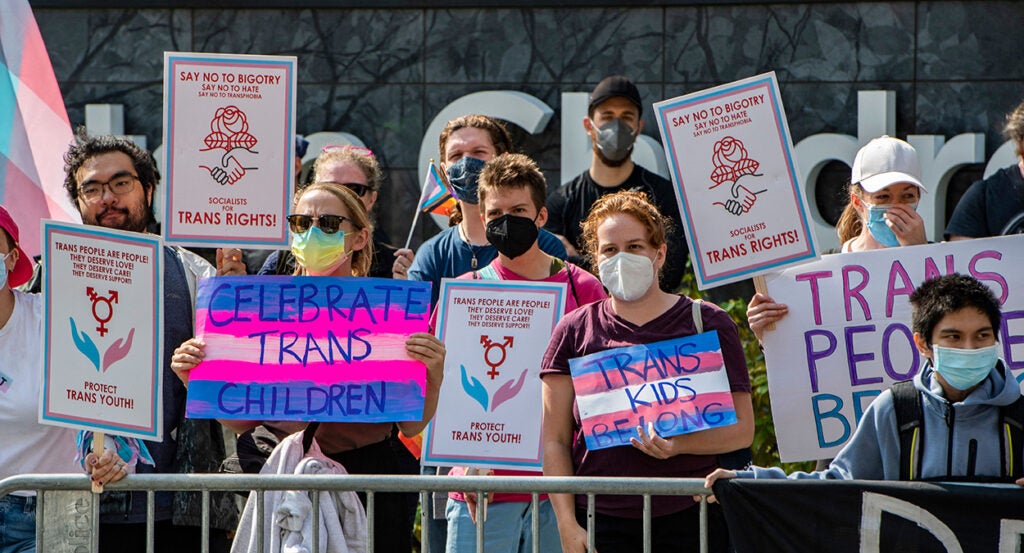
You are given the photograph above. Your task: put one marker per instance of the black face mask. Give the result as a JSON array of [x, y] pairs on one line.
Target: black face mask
[[511, 235]]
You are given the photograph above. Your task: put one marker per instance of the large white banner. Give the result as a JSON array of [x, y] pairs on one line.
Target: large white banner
[[847, 336], [229, 133], [731, 159], [103, 330], [489, 410]]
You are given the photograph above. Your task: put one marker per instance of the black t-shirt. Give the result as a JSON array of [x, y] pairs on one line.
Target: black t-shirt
[[991, 207], [569, 205]]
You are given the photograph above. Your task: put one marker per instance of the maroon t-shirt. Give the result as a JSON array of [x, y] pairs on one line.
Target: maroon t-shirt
[[596, 327]]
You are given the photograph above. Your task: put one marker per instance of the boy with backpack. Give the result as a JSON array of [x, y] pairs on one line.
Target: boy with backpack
[[959, 419]]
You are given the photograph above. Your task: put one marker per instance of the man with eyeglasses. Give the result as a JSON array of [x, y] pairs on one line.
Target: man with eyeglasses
[[111, 181]]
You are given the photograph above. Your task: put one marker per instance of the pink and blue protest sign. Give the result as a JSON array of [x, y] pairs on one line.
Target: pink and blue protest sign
[[309, 348], [679, 385]]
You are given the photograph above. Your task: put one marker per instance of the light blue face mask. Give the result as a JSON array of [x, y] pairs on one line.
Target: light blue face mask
[[963, 368], [3, 269], [878, 228]]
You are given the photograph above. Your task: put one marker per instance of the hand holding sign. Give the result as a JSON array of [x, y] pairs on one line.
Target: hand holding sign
[[186, 357], [652, 444]]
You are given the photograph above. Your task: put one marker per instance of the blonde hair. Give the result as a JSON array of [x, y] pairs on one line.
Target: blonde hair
[[361, 259], [849, 224], [632, 203], [360, 157]]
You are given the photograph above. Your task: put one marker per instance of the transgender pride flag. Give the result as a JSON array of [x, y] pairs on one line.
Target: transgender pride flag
[[435, 197], [679, 385], [34, 128]]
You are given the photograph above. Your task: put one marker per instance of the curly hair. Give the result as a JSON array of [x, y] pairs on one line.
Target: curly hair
[[361, 259], [1014, 129], [86, 147], [635, 204], [500, 138], [937, 297]]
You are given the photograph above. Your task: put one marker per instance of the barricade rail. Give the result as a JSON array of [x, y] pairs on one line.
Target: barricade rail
[[73, 505]]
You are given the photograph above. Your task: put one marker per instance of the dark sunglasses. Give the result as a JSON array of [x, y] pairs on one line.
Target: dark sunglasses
[[329, 224], [359, 189]]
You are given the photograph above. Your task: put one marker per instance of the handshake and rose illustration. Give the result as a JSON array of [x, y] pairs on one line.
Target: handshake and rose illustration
[[229, 131], [731, 163]]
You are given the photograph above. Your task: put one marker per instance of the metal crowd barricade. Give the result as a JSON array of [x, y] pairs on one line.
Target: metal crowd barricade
[[65, 500]]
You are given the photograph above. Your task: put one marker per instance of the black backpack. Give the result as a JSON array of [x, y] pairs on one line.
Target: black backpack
[[909, 421]]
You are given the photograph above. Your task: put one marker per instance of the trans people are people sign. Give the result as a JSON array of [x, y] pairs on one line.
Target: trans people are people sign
[[489, 409], [103, 330], [680, 386], [847, 335], [309, 348]]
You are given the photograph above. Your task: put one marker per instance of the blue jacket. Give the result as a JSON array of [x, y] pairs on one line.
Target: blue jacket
[[873, 453]]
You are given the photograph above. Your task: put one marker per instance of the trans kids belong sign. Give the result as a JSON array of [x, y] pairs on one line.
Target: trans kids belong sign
[[309, 348], [680, 385]]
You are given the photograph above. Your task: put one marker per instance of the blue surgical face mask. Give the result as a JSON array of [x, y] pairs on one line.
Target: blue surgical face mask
[[3, 269], [963, 368], [463, 176], [877, 227]]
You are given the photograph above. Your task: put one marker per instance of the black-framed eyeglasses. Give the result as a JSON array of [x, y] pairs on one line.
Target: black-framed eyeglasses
[[120, 185], [328, 224]]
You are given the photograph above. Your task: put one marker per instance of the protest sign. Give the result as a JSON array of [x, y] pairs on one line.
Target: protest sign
[[489, 409], [731, 160], [309, 348], [229, 149], [848, 335], [680, 385], [103, 338]]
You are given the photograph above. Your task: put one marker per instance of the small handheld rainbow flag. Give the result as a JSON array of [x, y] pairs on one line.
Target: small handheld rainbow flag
[[436, 198]]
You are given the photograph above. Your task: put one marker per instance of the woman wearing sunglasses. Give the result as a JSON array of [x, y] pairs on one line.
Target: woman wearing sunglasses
[[357, 169], [331, 237]]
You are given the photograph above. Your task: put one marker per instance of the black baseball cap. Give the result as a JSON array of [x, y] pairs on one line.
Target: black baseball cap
[[610, 87]]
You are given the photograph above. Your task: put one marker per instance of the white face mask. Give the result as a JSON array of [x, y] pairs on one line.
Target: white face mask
[[627, 276]]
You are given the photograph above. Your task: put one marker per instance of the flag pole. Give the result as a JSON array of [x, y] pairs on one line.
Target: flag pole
[[413, 227], [416, 217]]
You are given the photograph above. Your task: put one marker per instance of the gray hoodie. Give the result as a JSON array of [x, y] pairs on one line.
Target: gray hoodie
[[873, 453]]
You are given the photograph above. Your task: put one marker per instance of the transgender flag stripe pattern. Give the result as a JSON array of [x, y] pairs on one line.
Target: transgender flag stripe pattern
[[34, 128], [679, 385]]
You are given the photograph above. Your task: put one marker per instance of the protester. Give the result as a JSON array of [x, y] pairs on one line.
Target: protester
[[112, 181], [331, 237], [613, 124], [962, 386], [625, 235], [357, 169], [466, 143], [885, 187], [512, 191], [29, 447], [994, 206]]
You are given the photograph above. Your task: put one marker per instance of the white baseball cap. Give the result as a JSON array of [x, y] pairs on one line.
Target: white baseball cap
[[884, 161]]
